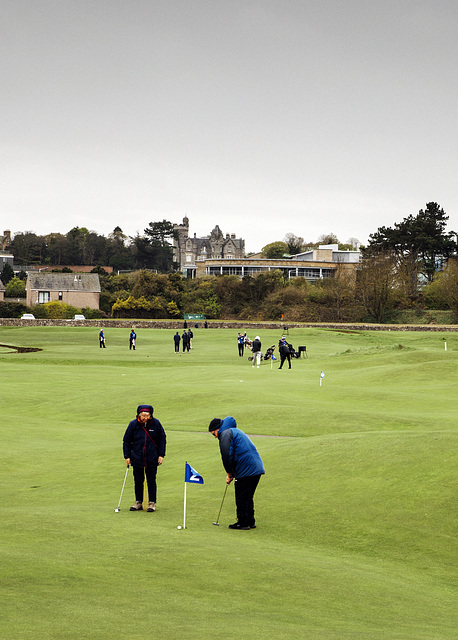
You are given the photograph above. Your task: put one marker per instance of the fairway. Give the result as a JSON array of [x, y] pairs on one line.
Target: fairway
[[356, 532]]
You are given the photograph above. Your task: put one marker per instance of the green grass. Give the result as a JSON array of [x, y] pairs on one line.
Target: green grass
[[356, 514]]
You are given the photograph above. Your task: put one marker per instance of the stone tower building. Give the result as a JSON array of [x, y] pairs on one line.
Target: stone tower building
[[187, 251]]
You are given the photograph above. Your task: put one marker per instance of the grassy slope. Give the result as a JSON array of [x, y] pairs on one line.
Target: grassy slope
[[356, 529]]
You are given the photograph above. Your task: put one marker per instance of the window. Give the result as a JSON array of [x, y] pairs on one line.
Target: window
[[43, 296]]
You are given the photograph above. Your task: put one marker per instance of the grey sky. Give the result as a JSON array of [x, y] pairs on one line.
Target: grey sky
[[262, 116]]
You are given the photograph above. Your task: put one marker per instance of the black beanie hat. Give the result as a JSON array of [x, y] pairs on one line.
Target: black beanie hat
[[145, 407], [214, 424]]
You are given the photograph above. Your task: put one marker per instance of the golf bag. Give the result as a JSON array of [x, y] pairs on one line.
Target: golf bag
[[269, 353], [293, 353]]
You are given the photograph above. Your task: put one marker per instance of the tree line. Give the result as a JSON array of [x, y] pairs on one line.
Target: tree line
[[151, 250], [410, 267]]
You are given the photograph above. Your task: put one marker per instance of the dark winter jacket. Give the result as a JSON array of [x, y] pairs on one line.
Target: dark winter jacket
[[143, 444], [284, 349], [256, 346], [239, 455]]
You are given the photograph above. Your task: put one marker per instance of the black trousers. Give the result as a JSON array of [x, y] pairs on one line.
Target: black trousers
[[283, 358], [241, 349], [244, 493], [139, 481]]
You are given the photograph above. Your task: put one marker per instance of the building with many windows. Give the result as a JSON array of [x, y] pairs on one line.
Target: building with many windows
[[219, 254], [317, 264], [191, 252]]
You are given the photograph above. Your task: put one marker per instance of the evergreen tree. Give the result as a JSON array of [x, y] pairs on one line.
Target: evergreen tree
[[419, 243], [7, 273]]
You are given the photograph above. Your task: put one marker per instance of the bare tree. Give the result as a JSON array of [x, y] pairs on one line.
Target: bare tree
[[328, 238], [376, 279], [295, 243]]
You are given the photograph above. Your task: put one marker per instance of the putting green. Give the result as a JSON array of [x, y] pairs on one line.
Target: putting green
[[356, 514]]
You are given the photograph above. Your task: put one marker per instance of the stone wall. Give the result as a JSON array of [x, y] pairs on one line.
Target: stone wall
[[220, 324]]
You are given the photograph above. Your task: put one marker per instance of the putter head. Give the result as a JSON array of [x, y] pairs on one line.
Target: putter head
[[117, 510], [216, 524]]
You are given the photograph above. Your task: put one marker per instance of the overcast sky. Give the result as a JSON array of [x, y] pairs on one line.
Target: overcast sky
[[262, 116]]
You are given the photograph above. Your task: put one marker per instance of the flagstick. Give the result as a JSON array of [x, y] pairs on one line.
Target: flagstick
[[184, 515]]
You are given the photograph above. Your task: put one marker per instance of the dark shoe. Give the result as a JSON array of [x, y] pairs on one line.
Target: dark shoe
[[138, 506], [238, 526], [151, 507]]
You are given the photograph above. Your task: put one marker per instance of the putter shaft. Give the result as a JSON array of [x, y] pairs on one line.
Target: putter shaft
[[222, 502], [122, 491]]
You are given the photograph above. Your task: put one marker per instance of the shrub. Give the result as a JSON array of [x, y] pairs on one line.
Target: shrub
[[15, 288], [58, 310], [12, 309], [92, 314]]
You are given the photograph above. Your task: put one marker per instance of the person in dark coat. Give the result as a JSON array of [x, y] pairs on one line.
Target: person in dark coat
[[285, 352], [144, 446], [176, 339], [132, 338], [256, 349], [243, 464], [185, 341]]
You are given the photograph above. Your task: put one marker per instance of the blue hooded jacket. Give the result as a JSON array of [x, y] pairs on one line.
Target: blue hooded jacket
[[238, 453]]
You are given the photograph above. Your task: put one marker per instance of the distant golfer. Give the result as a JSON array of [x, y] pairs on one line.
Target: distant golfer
[[132, 339], [176, 340], [241, 344], [256, 349], [243, 463], [285, 352], [101, 339], [144, 448]]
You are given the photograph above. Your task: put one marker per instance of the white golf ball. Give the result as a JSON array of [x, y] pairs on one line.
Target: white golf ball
[[178, 527]]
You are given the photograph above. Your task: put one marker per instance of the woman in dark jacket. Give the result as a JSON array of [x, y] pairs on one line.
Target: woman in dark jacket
[[144, 445]]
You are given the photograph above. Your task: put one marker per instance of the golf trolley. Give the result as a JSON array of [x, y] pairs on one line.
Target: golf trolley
[[292, 352], [267, 355]]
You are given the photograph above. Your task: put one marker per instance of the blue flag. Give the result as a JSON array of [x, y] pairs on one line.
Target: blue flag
[[274, 358], [191, 475]]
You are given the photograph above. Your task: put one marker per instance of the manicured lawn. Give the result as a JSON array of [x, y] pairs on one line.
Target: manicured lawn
[[356, 515]]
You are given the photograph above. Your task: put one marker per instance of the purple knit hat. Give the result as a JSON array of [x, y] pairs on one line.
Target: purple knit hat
[[145, 407]]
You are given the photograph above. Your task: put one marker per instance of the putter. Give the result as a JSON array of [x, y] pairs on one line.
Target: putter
[[222, 502], [122, 491]]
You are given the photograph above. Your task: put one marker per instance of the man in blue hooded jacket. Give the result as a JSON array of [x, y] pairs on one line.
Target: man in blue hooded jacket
[[144, 445], [243, 464]]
